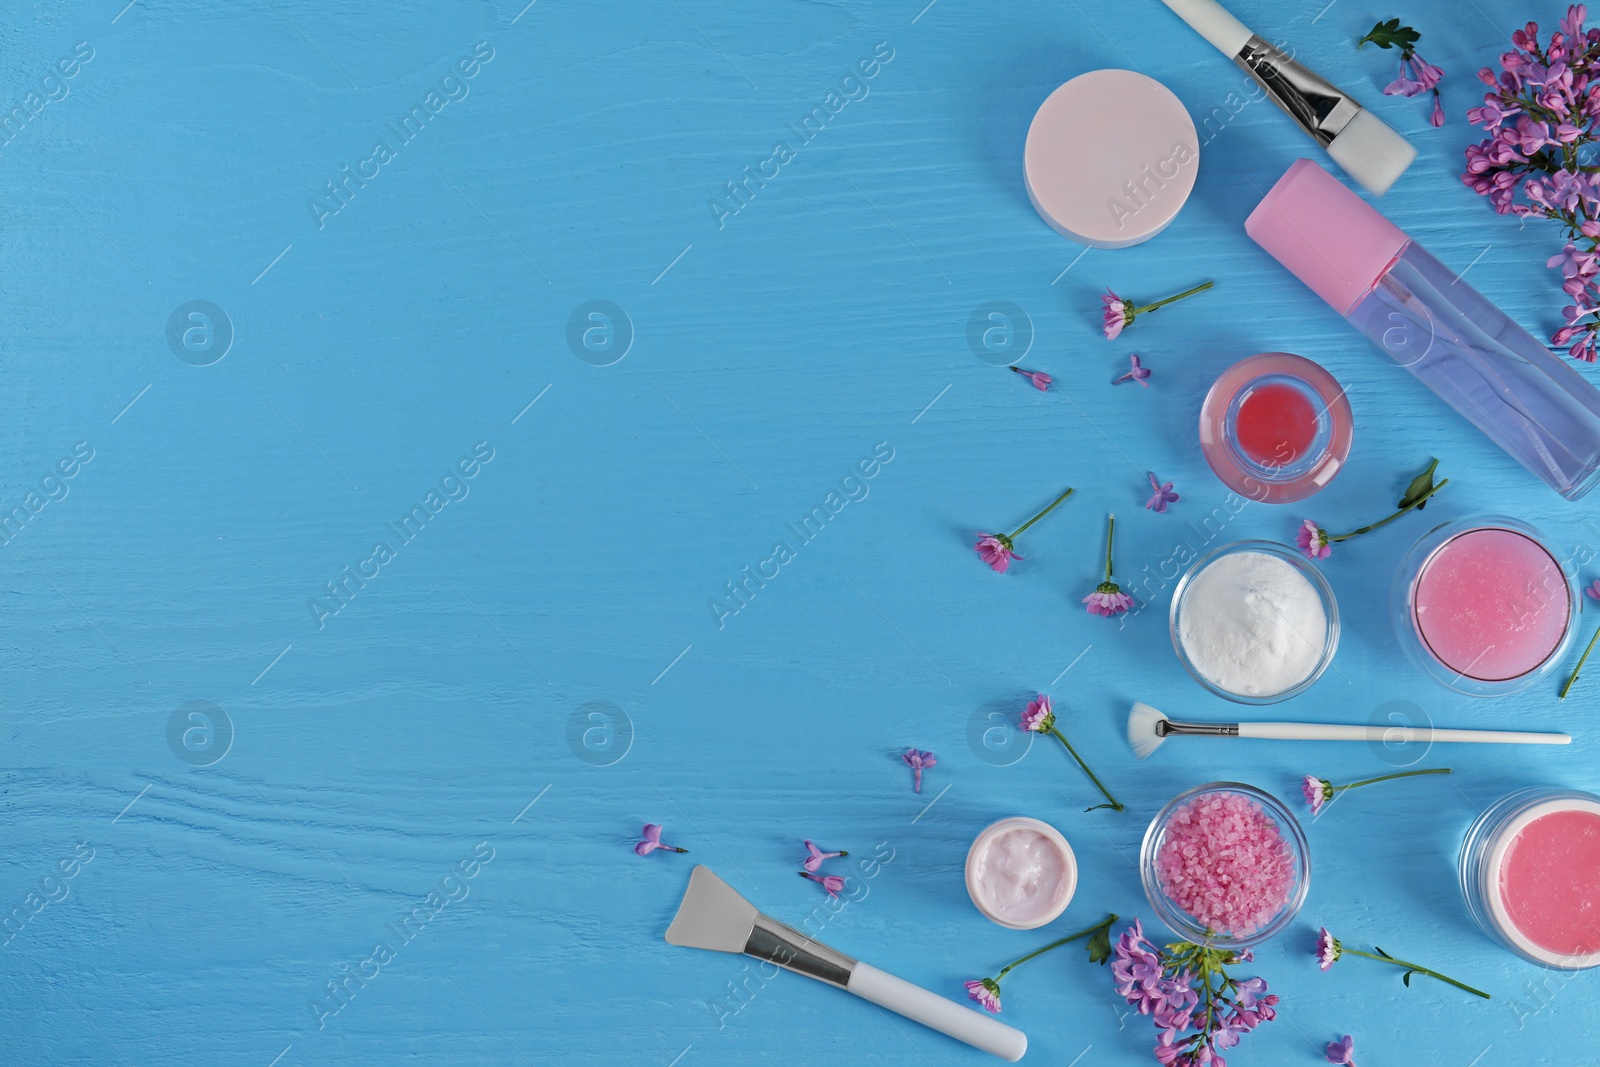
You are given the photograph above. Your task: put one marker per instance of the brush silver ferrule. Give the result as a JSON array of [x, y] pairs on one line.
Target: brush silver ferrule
[[1320, 109], [782, 944], [1168, 727]]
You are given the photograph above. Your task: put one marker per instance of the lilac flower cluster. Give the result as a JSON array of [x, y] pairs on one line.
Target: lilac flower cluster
[[1542, 112], [1417, 75], [1421, 77], [1198, 1010]]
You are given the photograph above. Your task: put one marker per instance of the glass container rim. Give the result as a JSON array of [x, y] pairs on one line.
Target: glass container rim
[[1319, 582], [1179, 921]]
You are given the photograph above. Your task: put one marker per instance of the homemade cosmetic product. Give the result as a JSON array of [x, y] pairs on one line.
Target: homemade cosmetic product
[[1225, 865], [1423, 317], [1021, 873], [1254, 622], [1530, 873], [1483, 607], [1369, 151], [1111, 158], [1276, 427]]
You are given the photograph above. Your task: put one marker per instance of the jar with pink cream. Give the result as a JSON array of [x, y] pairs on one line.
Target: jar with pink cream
[[1530, 873], [1021, 873]]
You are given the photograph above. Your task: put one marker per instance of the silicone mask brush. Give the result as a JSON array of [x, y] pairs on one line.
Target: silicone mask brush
[[1360, 142], [1148, 728], [714, 916]]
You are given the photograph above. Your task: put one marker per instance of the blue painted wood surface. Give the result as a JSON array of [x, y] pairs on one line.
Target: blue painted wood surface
[[534, 668]]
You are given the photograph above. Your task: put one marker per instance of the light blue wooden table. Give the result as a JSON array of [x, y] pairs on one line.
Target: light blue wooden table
[[277, 739]]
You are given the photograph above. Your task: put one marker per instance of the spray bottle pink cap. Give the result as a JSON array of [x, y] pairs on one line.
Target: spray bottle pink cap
[[1326, 235]]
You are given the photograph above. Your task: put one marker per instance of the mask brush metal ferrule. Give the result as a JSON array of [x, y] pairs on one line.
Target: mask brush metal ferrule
[[1320, 108], [782, 944]]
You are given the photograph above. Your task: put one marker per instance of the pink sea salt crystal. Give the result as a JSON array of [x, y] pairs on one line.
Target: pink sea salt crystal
[[1226, 863]]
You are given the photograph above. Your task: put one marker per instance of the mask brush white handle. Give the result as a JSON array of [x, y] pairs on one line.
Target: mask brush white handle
[[1148, 728], [1368, 150], [714, 916]]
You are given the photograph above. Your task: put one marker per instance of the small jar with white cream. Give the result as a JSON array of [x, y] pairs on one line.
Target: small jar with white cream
[[1021, 873]]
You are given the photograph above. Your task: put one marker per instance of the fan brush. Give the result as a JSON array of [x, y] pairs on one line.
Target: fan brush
[[1148, 728]]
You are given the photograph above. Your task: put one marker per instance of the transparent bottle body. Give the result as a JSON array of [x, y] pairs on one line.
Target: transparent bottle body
[[1528, 400]]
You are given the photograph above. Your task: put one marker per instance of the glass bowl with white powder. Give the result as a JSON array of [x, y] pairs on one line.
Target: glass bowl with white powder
[[1255, 622]]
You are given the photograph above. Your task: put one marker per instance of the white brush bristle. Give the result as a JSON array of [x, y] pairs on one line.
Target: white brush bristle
[[1142, 736], [1371, 153]]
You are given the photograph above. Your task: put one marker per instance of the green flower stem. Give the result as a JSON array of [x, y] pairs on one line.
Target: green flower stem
[[1581, 661], [1418, 970], [1042, 514], [1384, 522], [1391, 777], [1111, 530], [1112, 802], [1204, 963], [1095, 929], [1187, 292]]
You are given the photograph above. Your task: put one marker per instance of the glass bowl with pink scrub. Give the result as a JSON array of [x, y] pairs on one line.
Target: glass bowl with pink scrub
[[1530, 873], [1483, 607], [1225, 865], [1021, 873]]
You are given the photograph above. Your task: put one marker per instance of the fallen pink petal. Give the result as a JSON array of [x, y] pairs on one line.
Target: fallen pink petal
[[815, 856], [652, 841], [1038, 379], [831, 882], [1138, 373], [918, 761], [1161, 494]]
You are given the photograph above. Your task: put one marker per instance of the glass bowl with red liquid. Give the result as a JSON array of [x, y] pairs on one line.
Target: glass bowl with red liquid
[[1276, 427]]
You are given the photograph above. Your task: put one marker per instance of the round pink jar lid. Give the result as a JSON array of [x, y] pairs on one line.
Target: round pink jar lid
[[1111, 158]]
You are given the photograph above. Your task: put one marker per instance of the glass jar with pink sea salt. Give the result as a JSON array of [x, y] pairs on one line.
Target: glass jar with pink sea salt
[[1225, 865]]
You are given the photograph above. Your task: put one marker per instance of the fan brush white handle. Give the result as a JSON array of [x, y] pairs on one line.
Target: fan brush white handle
[[1148, 728], [1309, 731]]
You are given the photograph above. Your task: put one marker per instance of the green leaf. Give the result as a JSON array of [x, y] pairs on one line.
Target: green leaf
[[1419, 487], [1392, 35], [1100, 945], [1406, 978], [1382, 953]]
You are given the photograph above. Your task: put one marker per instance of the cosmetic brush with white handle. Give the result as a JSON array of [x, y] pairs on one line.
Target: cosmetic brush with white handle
[[1147, 728], [714, 916], [1360, 142]]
